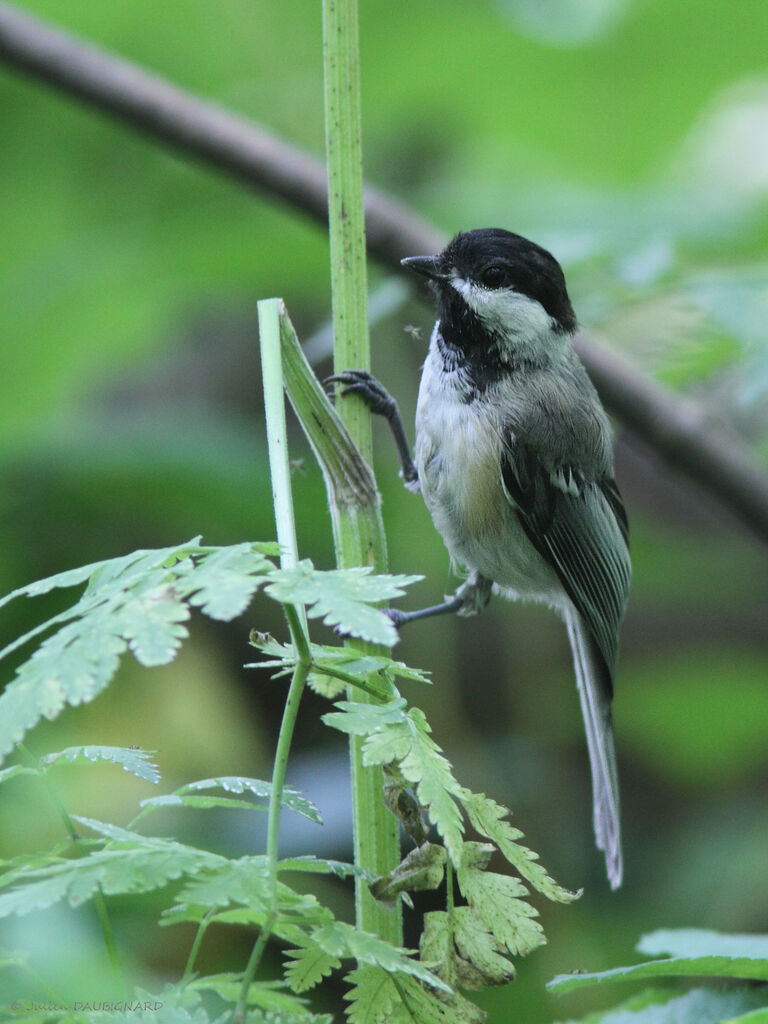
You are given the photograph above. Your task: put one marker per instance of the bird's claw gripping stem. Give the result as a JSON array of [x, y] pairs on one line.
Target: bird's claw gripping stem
[[381, 403]]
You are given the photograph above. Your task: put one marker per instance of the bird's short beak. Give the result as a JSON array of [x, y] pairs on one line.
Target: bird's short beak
[[427, 266]]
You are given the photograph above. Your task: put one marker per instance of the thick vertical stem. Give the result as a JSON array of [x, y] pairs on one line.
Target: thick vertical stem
[[360, 538]]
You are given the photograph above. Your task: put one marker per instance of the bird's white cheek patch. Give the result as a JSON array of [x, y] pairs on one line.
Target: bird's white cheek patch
[[504, 310]]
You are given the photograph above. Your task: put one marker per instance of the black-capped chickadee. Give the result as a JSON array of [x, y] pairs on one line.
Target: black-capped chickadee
[[514, 459]]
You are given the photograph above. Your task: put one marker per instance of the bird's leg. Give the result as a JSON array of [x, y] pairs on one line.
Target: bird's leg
[[470, 599], [380, 402]]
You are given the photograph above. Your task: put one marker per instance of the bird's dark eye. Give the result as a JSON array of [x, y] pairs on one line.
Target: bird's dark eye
[[493, 276]]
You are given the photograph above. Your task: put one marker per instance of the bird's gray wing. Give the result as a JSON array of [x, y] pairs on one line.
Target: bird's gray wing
[[580, 527]]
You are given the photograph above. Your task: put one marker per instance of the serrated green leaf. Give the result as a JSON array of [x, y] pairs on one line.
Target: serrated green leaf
[[327, 659], [291, 798], [498, 899], [436, 948], [308, 966], [487, 817], [365, 719], [116, 575], [481, 949], [224, 582], [339, 939], [374, 998], [698, 942], [325, 685], [356, 664], [107, 568], [381, 998], [110, 871], [68, 578], [264, 995], [246, 882], [138, 600], [282, 1017], [118, 834], [71, 667], [130, 759], [396, 735], [243, 881], [152, 625], [699, 1006], [202, 803], [322, 866], [172, 1005], [676, 967], [342, 598], [16, 770], [250, 917], [422, 764]]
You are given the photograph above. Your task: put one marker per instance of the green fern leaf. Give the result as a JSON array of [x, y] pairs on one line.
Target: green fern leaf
[[396, 735], [487, 818], [186, 796], [422, 764], [264, 995], [436, 948], [138, 601], [111, 871], [15, 770], [480, 949], [142, 600], [291, 798], [130, 759], [498, 899], [308, 967], [246, 882], [374, 998], [71, 667], [200, 803], [381, 998], [342, 598], [108, 567], [319, 865], [152, 625], [243, 917], [462, 951], [339, 939], [328, 660], [224, 582], [366, 719]]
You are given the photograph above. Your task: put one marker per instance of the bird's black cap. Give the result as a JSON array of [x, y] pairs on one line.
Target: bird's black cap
[[497, 258]]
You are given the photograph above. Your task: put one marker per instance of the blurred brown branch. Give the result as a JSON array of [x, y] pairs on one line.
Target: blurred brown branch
[[675, 427]]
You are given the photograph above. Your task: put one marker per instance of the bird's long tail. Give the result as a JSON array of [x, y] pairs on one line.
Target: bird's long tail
[[595, 691]]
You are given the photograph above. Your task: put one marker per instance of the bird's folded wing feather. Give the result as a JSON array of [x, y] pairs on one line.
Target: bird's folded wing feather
[[580, 528]]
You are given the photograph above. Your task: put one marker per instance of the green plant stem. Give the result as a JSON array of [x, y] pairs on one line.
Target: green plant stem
[[360, 539], [449, 889], [99, 902], [202, 928], [277, 439], [290, 714], [379, 694]]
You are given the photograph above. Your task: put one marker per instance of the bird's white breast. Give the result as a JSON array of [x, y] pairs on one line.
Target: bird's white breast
[[458, 456]]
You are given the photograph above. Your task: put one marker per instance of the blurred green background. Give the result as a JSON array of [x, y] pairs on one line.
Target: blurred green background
[[631, 138]]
